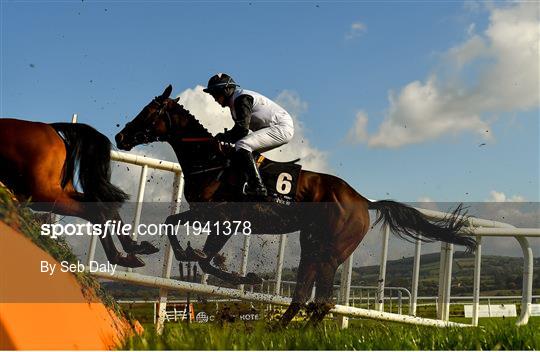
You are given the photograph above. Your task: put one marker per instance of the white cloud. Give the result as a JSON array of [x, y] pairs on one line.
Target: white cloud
[[423, 112], [356, 30], [311, 158], [507, 82], [359, 130], [291, 101], [203, 107], [501, 197], [474, 48]]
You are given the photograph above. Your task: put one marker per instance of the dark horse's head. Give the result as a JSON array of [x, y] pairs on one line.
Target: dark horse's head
[[153, 123]]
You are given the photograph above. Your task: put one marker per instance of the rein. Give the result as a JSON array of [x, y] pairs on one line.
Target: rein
[[210, 169], [222, 167], [196, 139]]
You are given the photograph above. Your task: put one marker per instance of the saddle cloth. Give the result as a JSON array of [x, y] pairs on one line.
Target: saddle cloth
[[280, 179]]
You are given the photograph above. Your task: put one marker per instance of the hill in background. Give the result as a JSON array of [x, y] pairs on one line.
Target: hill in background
[[500, 275]]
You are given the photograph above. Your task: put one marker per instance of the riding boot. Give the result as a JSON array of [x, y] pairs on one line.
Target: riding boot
[[255, 186]]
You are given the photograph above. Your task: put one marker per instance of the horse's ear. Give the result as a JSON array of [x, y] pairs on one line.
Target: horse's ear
[[167, 92], [176, 100]]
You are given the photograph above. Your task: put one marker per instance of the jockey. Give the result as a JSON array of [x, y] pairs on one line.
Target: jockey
[[270, 124]]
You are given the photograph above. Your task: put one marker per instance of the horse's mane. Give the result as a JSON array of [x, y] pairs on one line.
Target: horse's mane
[[194, 124]]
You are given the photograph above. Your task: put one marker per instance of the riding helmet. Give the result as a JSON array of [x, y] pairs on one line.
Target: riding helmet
[[220, 83]]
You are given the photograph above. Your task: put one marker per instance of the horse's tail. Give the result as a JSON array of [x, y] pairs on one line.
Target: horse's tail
[[409, 223], [91, 152]]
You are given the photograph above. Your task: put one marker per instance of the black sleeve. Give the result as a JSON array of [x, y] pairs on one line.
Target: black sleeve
[[243, 105]]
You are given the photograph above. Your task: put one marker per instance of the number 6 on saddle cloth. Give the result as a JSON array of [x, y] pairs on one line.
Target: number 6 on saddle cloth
[[280, 179]]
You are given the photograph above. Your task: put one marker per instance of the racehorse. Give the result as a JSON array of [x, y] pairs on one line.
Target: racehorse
[[39, 161], [328, 236]]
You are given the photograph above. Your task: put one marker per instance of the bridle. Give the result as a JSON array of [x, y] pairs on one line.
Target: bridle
[[162, 113], [147, 135]]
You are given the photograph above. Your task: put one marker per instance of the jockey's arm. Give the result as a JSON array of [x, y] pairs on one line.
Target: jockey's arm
[[243, 106]]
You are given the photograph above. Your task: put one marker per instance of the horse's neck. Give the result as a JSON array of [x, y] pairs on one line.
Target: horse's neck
[[191, 154], [194, 159]]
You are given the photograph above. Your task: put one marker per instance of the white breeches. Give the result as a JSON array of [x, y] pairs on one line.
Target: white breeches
[[266, 138]]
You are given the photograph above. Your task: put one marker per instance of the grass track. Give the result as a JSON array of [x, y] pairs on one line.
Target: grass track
[[495, 334]]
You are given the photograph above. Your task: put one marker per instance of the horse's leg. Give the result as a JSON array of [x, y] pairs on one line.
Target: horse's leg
[[214, 243], [129, 244], [342, 244], [307, 271], [178, 251], [326, 271], [97, 216], [177, 220], [190, 254]]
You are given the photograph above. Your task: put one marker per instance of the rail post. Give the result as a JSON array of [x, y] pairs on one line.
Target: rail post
[[178, 187], [476, 280], [442, 270], [345, 289], [446, 276], [415, 277], [379, 305], [279, 265], [526, 292], [140, 200], [245, 256], [399, 302]]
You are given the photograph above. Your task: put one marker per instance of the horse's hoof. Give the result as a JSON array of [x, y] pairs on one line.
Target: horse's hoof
[[253, 279], [144, 247], [195, 255], [129, 261], [148, 248]]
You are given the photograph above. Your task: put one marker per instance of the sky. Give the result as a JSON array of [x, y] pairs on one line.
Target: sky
[[408, 100]]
